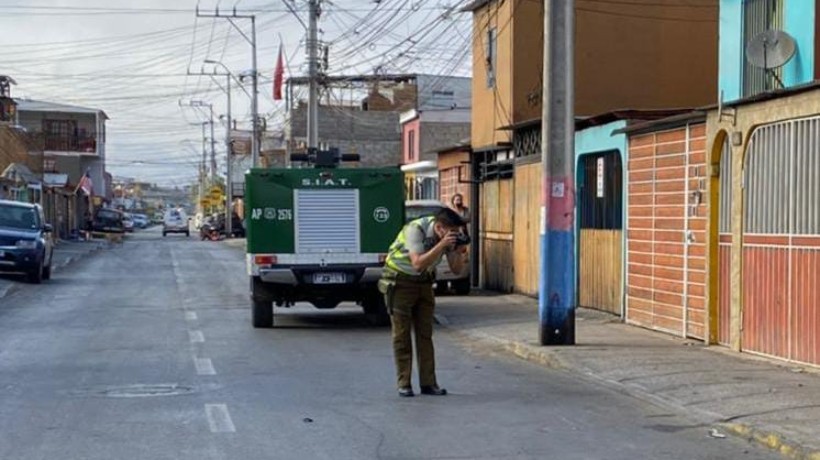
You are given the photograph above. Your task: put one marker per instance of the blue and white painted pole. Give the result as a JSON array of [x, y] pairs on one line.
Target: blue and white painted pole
[[556, 302]]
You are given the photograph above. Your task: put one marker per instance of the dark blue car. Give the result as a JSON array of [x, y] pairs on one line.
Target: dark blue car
[[26, 245]]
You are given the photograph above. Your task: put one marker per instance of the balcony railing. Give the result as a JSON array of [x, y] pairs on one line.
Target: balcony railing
[[86, 144]]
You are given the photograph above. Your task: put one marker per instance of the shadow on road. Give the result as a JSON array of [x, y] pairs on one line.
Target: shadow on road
[[327, 320]]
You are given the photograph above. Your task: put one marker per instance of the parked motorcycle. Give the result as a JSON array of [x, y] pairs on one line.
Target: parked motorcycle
[[213, 228], [210, 230]]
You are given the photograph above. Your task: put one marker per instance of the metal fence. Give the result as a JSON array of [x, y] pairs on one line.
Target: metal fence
[[782, 179]]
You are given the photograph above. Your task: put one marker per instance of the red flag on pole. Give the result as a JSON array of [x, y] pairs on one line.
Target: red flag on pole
[[278, 76]]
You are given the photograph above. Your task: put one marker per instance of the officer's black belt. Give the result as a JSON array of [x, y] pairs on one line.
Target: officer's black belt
[[419, 279]]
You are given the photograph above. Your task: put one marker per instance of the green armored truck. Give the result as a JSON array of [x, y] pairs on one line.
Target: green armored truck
[[320, 234]]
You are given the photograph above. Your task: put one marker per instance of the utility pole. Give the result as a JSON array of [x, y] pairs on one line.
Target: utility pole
[[229, 152], [556, 301], [213, 146], [213, 139], [202, 164], [255, 139], [313, 74]]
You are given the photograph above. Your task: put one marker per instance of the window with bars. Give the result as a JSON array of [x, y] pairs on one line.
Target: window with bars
[[495, 165], [411, 145], [600, 191], [527, 142], [758, 17]]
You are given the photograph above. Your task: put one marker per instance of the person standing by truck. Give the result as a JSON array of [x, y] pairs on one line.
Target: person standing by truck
[[407, 285]]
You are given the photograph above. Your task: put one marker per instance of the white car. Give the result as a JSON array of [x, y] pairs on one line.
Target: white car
[[128, 222], [175, 221], [445, 277]]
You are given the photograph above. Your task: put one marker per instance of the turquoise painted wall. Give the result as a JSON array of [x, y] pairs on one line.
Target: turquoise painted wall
[[730, 49], [799, 18], [600, 139], [799, 23]]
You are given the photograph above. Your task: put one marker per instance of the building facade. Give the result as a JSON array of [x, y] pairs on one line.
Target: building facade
[[423, 132], [72, 140], [654, 64]]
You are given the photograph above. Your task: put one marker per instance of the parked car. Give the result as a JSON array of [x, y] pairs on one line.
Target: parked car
[[460, 283], [26, 245], [107, 220], [140, 220], [127, 222], [175, 221]]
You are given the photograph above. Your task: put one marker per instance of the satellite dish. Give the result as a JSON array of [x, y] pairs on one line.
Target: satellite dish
[[770, 49]]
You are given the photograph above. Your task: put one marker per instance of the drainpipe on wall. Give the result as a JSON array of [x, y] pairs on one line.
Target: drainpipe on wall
[[687, 240], [475, 267]]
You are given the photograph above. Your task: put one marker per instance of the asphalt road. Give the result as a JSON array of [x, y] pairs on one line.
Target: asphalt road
[[145, 351]]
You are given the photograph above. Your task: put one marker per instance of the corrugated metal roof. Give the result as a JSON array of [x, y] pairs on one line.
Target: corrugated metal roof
[[695, 116], [30, 105], [475, 4]]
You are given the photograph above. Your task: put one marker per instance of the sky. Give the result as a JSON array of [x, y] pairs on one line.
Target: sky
[[132, 59]]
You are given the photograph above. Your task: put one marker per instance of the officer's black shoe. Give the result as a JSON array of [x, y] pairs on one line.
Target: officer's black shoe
[[433, 391], [406, 392]]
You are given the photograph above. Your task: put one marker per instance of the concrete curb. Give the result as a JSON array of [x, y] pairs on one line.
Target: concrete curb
[[771, 440], [518, 349], [6, 291], [78, 257], [550, 358]]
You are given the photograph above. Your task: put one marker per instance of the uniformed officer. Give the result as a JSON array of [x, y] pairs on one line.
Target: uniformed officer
[[408, 288]]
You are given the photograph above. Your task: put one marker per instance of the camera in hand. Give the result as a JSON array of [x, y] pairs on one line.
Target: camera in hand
[[462, 239]]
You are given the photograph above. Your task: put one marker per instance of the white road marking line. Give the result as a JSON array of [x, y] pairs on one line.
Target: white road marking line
[[219, 419], [190, 315], [204, 366], [196, 336]]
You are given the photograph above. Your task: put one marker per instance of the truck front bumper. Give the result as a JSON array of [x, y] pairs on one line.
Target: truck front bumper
[[289, 277]]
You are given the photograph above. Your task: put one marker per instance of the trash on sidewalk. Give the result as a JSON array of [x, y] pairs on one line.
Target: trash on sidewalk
[[716, 434]]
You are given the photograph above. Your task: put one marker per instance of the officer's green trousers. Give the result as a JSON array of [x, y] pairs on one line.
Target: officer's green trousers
[[412, 307]]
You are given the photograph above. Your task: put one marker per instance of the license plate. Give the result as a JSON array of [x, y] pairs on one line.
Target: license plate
[[329, 278]]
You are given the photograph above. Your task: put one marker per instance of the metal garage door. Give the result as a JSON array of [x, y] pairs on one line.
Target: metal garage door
[[781, 241]]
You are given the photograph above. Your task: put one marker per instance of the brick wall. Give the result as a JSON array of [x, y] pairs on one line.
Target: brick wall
[[375, 136], [664, 284], [435, 135], [448, 176]]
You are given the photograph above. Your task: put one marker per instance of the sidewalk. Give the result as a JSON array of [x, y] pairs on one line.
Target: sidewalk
[[65, 253], [771, 403]]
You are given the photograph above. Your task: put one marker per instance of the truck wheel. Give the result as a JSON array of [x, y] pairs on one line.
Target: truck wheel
[[441, 288], [462, 287], [262, 312]]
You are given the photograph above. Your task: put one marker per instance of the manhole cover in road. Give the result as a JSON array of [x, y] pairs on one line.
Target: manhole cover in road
[[141, 390]]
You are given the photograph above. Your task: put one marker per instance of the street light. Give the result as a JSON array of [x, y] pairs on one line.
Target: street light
[[197, 103], [202, 168], [228, 149]]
